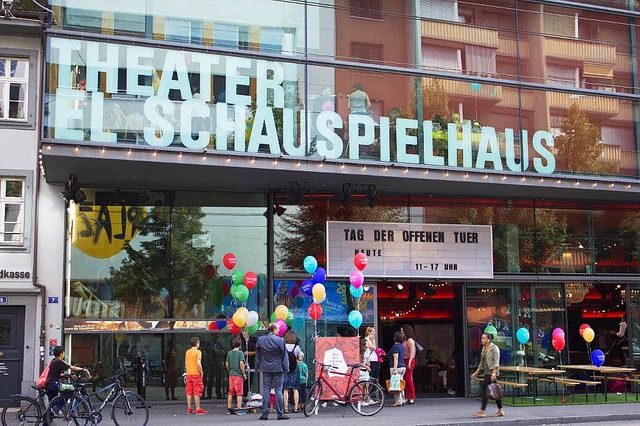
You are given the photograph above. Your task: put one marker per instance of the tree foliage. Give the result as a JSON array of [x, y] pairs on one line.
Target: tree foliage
[[167, 262], [578, 147]]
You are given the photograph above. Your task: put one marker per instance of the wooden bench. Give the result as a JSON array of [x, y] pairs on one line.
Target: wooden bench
[[628, 379], [587, 383], [515, 385]]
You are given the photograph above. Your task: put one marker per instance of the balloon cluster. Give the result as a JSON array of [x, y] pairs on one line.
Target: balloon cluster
[[242, 283], [315, 286], [356, 279], [597, 356], [283, 317], [558, 339]]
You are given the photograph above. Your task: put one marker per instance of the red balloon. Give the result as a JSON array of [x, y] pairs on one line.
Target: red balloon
[[209, 271], [213, 325], [229, 261], [315, 311], [232, 327], [558, 342], [361, 261], [583, 327], [250, 280]]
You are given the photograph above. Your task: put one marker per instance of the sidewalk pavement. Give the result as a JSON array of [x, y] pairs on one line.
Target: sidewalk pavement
[[429, 411]]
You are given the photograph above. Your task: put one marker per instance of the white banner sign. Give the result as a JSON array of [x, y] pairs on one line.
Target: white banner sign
[[406, 250]]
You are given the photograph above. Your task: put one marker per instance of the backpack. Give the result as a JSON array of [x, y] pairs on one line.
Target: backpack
[[43, 377], [380, 353], [293, 360]]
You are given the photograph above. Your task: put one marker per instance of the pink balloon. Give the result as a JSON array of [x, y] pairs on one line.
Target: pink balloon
[[328, 106], [356, 278], [583, 327], [282, 327], [558, 332]]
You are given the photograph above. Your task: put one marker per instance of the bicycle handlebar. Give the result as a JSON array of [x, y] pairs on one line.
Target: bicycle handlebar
[[329, 366]]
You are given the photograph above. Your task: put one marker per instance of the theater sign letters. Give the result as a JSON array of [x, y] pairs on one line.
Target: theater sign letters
[[408, 250], [105, 92]]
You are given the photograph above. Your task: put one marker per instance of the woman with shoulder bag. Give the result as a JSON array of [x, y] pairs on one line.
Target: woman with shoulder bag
[[374, 365], [489, 364], [397, 365]]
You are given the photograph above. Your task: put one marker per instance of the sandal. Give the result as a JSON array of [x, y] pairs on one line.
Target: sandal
[[479, 414], [295, 411], [500, 413]]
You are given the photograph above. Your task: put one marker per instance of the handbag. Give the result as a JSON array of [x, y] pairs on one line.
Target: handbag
[[494, 391], [395, 384]]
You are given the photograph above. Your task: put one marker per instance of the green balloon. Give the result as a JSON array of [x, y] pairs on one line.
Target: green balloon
[[289, 320], [490, 329], [273, 317], [237, 277], [253, 328], [240, 292]]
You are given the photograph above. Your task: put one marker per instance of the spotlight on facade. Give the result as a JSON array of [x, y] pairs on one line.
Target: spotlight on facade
[[399, 287], [346, 194], [72, 191], [371, 199]]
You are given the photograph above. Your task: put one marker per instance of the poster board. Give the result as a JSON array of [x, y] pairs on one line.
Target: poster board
[[338, 352]]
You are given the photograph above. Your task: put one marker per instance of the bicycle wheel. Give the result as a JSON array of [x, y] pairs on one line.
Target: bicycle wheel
[[366, 398], [313, 399], [68, 409], [132, 410], [21, 411]]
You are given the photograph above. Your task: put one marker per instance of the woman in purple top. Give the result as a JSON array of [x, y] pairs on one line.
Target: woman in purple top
[[397, 365]]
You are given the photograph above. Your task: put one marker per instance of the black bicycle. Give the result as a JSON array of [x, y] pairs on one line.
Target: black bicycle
[[24, 410], [74, 406]]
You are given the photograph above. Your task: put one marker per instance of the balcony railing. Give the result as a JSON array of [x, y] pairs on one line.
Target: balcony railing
[[464, 89], [510, 99], [509, 47], [460, 33], [610, 153], [579, 50], [593, 104]]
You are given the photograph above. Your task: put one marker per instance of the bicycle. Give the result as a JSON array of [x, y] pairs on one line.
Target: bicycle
[[24, 410], [74, 405], [365, 397]]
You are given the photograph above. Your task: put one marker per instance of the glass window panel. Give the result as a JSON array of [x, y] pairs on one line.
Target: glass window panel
[[158, 256], [271, 39], [178, 30], [5, 332], [634, 323], [3, 65], [129, 23], [3, 99], [562, 241], [74, 17], [18, 68], [616, 242], [12, 212], [17, 100], [13, 188]]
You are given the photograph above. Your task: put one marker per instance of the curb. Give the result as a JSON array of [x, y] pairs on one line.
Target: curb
[[544, 421]]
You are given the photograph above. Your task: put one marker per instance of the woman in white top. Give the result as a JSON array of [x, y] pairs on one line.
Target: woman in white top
[[370, 354]]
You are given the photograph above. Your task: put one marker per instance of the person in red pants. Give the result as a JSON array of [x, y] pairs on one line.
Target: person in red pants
[[409, 346]]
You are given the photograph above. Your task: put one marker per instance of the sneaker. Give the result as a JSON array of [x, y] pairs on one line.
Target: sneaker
[[201, 411], [451, 392], [190, 411], [229, 411], [241, 413]]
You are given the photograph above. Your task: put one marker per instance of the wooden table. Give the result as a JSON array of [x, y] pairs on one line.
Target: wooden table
[[605, 371], [535, 373]]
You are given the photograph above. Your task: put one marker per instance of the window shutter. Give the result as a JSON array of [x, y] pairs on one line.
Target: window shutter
[[558, 23], [480, 60], [438, 58], [559, 75], [446, 10]]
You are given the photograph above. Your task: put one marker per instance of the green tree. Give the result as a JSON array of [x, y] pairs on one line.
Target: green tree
[[578, 147], [167, 261], [304, 231]]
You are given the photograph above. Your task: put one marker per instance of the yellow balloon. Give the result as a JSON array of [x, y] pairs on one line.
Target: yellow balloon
[[239, 318], [318, 291], [244, 311], [588, 334], [282, 312]]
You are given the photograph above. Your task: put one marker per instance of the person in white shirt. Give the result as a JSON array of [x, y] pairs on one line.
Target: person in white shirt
[[621, 340]]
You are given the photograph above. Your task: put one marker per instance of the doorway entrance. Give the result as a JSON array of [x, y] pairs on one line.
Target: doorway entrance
[[434, 310], [11, 354]]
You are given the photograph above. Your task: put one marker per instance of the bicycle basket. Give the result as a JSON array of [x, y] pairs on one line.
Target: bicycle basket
[[66, 387]]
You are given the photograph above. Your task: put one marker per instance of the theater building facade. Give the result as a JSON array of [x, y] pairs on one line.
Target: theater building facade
[[482, 154]]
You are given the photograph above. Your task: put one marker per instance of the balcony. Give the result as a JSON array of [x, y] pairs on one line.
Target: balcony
[[591, 104], [511, 99], [623, 63], [610, 153], [509, 47], [579, 50], [455, 88], [460, 33]]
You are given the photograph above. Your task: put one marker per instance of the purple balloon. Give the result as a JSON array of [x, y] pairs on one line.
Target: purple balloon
[[356, 278], [558, 331], [319, 276], [307, 286]]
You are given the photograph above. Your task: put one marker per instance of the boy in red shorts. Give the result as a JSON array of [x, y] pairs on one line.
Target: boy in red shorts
[[236, 368], [193, 367]]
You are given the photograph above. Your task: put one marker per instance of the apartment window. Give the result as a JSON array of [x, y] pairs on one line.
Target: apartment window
[[370, 9], [231, 36], [446, 10], [14, 88], [12, 198], [271, 39], [367, 52], [559, 23], [563, 76], [480, 60], [438, 58], [183, 31]]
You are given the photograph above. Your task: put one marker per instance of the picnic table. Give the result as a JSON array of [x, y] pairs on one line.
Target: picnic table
[[604, 372], [536, 374]]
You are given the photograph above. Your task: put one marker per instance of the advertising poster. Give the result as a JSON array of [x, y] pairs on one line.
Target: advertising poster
[[337, 352]]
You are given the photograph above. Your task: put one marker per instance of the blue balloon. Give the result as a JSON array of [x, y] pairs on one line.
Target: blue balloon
[[355, 319], [475, 87], [356, 292], [597, 357], [310, 264], [522, 335], [221, 322], [319, 276], [306, 287]]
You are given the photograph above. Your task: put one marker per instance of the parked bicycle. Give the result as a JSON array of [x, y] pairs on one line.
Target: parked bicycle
[[365, 397], [24, 410], [73, 405]]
